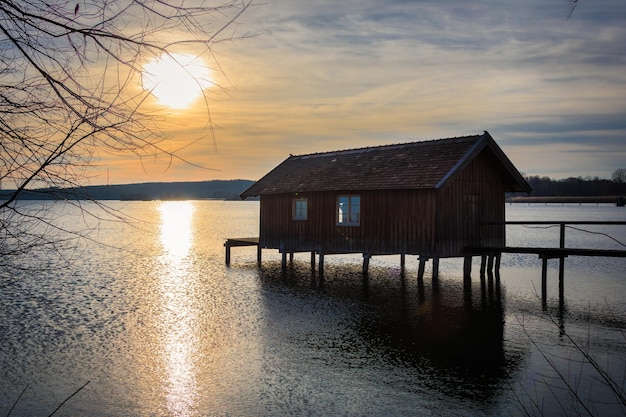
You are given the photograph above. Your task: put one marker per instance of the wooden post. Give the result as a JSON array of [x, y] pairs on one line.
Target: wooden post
[[498, 261], [497, 270], [227, 246], [490, 263], [561, 280], [321, 264], [467, 276], [283, 262], [435, 268], [313, 261], [544, 280], [402, 261], [366, 263], [483, 264], [562, 264], [258, 254], [290, 257], [420, 270], [467, 267]]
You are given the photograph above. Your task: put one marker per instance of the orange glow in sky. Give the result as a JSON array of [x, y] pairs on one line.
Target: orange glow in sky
[[550, 90]]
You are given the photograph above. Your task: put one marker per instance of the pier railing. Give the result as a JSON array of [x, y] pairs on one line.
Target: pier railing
[[562, 252]]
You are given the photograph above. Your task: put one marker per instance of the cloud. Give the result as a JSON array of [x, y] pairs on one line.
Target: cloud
[[325, 75]]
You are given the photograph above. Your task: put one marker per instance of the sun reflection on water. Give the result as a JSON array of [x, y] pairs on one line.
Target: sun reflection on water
[[178, 316]]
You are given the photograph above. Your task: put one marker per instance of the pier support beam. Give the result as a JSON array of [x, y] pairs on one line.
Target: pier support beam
[[435, 269], [227, 246], [544, 281], [483, 264], [243, 241], [467, 269], [313, 261], [497, 270], [561, 265], [490, 263], [420, 270], [366, 263]]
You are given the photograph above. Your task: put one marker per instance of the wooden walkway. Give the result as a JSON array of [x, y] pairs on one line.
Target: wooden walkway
[[242, 241], [490, 255], [544, 253]]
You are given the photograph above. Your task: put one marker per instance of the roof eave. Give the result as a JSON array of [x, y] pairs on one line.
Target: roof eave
[[486, 140], [466, 159]]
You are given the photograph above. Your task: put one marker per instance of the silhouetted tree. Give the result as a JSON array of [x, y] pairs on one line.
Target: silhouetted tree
[[619, 175], [69, 91]]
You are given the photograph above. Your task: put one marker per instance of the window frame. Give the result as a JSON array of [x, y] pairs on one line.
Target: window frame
[[297, 213], [349, 215]]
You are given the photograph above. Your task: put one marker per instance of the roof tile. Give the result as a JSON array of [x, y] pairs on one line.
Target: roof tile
[[414, 165]]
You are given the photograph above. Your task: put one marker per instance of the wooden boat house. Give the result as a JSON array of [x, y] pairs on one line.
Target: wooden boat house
[[433, 199]]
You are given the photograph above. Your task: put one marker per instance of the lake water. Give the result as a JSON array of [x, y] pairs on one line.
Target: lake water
[[158, 325]]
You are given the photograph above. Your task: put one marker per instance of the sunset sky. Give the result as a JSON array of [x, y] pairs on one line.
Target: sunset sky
[[322, 75]]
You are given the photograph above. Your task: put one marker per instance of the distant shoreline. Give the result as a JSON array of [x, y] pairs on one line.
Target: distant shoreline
[[617, 200], [197, 190]]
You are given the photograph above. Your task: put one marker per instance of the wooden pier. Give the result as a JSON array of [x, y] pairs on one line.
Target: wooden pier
[[490, 256], [242, 241], [544, 253]]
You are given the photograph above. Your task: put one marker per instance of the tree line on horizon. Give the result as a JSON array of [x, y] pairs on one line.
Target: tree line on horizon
[[543, 186]]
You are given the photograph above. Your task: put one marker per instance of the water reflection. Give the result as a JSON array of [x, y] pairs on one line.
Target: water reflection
[[449, 336], [176, 229], [455, 337], [178, 315]]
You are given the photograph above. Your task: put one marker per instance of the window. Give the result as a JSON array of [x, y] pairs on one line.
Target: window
[[349, 210], [299, 209]]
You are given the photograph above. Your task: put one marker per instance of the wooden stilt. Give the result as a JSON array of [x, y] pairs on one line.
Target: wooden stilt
[[490, 263], [313, 260], [366, 263], [561, 280], [238, 242], [467, 270], [498, 261], [283, 262], [420, 270], [321, 267], [402, 260], [258, 254], [561, 265], [544, 280], [497, 270], [467, 278], [290, 257], [483, 264], [435, 268]]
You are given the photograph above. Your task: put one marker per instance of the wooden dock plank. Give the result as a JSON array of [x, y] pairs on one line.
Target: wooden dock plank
[[549, 252], [242, 241]]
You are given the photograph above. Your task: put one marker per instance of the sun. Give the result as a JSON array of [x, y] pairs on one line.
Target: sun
[[176, 80]]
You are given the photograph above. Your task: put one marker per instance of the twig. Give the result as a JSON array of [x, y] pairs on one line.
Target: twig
[[68, 398], [17, 400]]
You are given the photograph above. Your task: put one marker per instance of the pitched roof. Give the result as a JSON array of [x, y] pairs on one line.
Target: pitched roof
[[415, 165]]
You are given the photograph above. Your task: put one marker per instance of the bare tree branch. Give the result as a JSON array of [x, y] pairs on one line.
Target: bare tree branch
[[70, 91]]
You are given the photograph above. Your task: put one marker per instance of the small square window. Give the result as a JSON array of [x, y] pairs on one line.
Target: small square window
[[299, 209]]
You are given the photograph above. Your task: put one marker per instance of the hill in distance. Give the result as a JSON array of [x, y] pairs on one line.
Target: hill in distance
[[215, 189]]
